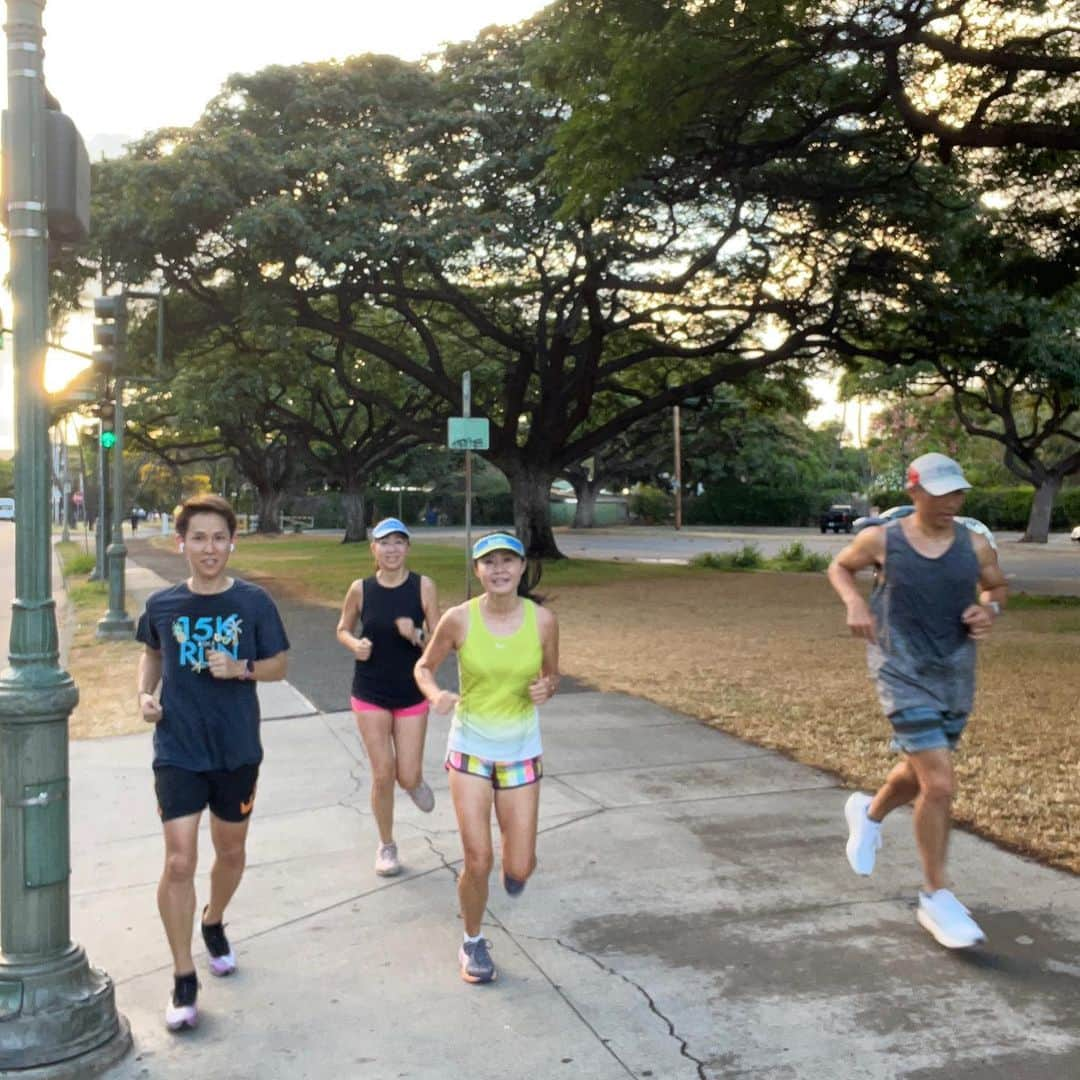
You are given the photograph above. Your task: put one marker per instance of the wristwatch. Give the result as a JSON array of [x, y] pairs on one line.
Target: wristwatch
[[995, 607]]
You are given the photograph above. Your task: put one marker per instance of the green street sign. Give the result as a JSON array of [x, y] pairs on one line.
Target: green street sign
[[108, 439], [467, 433]]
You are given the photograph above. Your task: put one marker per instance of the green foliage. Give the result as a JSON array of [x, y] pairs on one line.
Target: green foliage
[[748, 557], [1001, 508], [796, 557], [7, 478], [650, 505], [1027, 601], [746, 504]]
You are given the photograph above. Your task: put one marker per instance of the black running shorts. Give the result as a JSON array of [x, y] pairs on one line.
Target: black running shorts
[[230, 795]]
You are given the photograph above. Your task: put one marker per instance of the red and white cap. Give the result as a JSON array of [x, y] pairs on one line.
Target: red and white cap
[[936, 474]]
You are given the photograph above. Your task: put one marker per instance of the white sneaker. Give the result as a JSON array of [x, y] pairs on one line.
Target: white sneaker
[[423, 796], [948, 920], [864, 835], [386, 860]]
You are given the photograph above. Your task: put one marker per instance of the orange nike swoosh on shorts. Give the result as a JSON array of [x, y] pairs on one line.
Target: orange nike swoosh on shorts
[[245, 807]]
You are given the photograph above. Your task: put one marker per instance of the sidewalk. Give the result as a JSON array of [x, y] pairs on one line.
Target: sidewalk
[[693, 916]]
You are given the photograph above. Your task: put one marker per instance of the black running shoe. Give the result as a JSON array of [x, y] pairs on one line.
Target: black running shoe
[[182, 1010], [222, 961]]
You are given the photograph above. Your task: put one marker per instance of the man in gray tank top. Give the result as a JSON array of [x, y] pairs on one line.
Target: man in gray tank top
[[938, 589]]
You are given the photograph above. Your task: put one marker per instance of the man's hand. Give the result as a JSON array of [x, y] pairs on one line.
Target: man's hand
[[150, 707], [860, 621], [978, 619], [223, 666], [362, 649], [445, 702]]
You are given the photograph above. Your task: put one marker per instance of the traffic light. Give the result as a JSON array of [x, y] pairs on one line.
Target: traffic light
[[110, 332], [107, 414]]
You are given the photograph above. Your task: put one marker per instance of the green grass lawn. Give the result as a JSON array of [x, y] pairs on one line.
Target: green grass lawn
[[324, 567]]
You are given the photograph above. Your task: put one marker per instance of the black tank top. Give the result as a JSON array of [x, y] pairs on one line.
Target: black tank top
[[386, 679]]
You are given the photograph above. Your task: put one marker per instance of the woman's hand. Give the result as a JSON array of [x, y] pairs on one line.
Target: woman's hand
[[362, 649], [542, 689], [409, 631], [445, 702]]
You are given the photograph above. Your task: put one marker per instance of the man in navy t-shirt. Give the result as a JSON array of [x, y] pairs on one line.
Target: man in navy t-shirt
[[207, 641]]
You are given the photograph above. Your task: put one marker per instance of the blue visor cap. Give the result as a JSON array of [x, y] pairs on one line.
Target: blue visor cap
[[388, 526], [497, 542]]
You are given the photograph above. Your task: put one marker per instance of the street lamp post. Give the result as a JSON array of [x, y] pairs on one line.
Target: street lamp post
[[58, 1015]]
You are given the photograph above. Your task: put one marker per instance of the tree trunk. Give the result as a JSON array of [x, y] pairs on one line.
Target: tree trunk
[[268, 504], [355, 527], [1042, 510], [531, 491], [585, 512]]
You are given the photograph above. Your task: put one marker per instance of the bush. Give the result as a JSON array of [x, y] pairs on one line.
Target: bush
[[650, 504], [748, 557], [796, 557]]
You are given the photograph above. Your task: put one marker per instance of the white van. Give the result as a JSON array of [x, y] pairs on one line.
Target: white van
[[7, 509]]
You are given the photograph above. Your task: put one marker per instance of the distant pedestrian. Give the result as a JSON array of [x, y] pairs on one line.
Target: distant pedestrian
[[392, 607], [134, 522], [508, 663], [938, 590], [208, 640]]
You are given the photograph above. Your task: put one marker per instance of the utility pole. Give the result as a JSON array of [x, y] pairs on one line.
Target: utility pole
[[678, 468], [57, 1013], [466, 412]]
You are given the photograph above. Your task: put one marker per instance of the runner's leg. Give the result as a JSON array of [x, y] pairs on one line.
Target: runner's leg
[[472, 796], [901, 787], [517, 810], [934, 771], [229, 839], [409, 733], [375, 727], [176, 890]]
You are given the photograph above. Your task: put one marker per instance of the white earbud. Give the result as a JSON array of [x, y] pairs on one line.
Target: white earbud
[[181, 547], [232, 547]]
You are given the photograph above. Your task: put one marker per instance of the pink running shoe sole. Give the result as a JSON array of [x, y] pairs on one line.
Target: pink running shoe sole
[[222, 965], [184, 1017]]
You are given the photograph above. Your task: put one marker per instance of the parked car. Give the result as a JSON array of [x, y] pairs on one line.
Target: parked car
[[7, 509], [1075, 534], [894, 512], [838, 516]]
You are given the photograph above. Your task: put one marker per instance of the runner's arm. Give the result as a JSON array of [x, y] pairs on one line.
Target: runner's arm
[[543, 689], [993, 590], [449, 633], [350, 612], [429, 601], [866, 550], [147, 682]]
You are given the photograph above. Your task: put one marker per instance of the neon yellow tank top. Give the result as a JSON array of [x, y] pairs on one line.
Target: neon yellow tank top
[[495, 718]]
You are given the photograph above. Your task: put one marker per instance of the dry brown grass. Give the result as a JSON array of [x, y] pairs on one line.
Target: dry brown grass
[[767, 657], [104, 671]]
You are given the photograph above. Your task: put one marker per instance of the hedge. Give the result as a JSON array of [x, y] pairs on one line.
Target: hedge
[[1002, 508]]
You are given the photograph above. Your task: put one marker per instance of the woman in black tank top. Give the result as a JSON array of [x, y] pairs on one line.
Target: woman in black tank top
[[390, 611]]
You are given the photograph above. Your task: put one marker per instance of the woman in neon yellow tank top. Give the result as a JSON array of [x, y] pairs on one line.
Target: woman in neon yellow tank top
[[508, 661]]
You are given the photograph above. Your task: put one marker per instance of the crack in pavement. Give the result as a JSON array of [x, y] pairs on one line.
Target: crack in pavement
[[684, 1045]]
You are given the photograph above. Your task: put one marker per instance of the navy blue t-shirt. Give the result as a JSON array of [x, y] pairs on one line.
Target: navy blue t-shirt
[[209, 724]]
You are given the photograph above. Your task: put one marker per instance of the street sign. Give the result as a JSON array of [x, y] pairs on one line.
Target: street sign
[[467, 433]]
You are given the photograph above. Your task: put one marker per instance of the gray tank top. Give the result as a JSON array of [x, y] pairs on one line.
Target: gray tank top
[[924, 656]]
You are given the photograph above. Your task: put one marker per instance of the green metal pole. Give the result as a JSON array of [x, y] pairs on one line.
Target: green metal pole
[[57, 1014], [116, 624]]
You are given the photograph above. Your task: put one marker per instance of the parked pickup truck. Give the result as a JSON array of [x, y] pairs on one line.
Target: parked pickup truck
[[837, 517]]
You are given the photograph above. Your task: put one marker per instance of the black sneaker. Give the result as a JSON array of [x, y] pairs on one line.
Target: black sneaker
[[222, 961], [512, 885], [182, 1010]]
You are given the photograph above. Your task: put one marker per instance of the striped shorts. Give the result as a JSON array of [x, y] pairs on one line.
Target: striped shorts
[[502, 774]]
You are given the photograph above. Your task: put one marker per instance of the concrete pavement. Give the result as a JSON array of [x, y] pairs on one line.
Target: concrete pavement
[[693, 915]]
